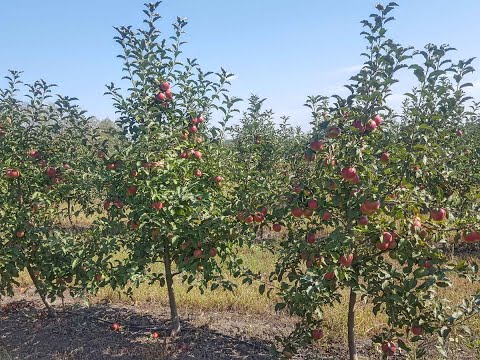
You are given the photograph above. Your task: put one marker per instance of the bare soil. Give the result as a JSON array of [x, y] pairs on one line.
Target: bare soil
[[84, 332]]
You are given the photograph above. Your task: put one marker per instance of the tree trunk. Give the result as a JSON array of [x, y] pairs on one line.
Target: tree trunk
[[38, 286], [171, 295], [352, 349]]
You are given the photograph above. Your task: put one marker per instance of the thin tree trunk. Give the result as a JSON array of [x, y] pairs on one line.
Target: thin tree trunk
[[352, 349], [171, 295], [38, 286]]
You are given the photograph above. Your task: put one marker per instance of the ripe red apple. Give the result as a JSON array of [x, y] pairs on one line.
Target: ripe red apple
[[392, 244], [378, 120], [106, 205], [258, 217], [317, 334], [298, 189], [317, 145], [194, 121], [155, 335], [389, 348], [307, 212], [199, 140], [212, 252], [197, 253], [249, 219], [327, 216], [197, 154], [132, 190], [357, 124], [312, 204], [133, 173], [297, 212], [417, 330], [346, 260], [472, 237], [362, 220], [118, 203], [51, 172], [329, 275], [438, 215], [198, 173], [277, 227], [387, 237], [100, 154], [184, 155], [34, 154], [427, 264], [382, 246], [333, 132], [371, 125], [157, 205], [192, 129], [200, 119], [161, 96], [348, 172], [311, 238], [385, 157], [20, 234], [111, 166], [164, 86], [13, 173], [169, 95], [263, 210], [115, 327], [354, 180], [218, 179]]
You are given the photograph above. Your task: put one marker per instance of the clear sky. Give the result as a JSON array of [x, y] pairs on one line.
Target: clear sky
[[282, 50]]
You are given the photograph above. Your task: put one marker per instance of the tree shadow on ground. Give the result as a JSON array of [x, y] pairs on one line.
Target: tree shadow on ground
[[84, 333]]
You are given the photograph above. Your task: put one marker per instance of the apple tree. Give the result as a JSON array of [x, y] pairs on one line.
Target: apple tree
[[165, 195], [44, 160], [382, 194]]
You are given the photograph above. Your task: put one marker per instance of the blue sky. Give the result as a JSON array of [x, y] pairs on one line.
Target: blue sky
[[279, 49]]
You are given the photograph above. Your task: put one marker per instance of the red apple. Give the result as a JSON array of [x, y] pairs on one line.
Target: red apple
[[357, 124], [164, 86], [472, 237], [362, 220], [387, 237], [312, 204], [118, 203], [333, 132], [200, 119], [155, 335], [317, 334], [349, 173], [197, 253], [197, 154], [385, 157], [184, 155], [133, 173], [132, 190], [277, 227], [311, 238], [417, 330], [297, 189], [327, 216], [115, 327], [389, 348], [157, 205], [20, 234], [317, 145], [111, 166], [106, 205], [346, 260], [297, 212], [438, 215], [249, 219], [382, 246], [329, 275], [264, 210], [258, 217], [100, 154], [169, 95], [371, 125], [34, 154], [212, 252], [307, 212], [51, 172], [192, 129], [161, 96], [378, 120], [198, 173]]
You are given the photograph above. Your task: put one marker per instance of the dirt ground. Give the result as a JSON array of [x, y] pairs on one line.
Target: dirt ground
[[83, 332]]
